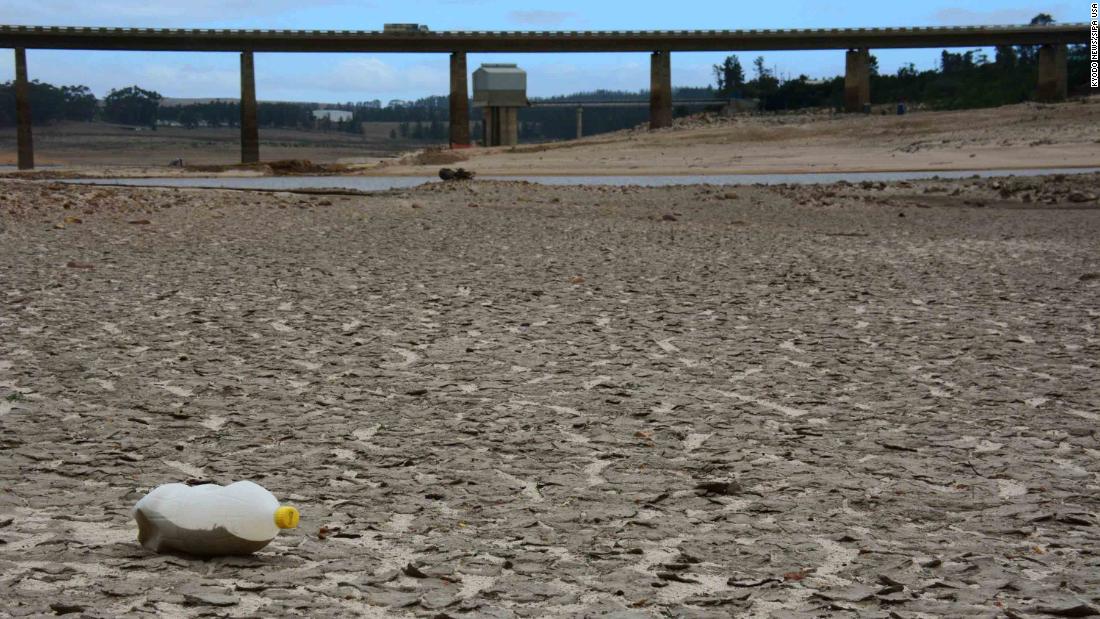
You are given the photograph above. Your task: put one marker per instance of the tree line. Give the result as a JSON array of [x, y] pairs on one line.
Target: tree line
[[967, 79], [220, 113], [49, 103]]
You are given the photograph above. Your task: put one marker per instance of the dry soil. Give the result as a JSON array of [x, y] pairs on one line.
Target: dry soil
[[498, 400]]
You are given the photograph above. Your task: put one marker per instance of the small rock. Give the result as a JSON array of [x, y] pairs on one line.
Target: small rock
[[1069, 610], [720, 488], [674, 577], [391, 598], [412, 571], [65, 608], [853, 593], [458, 174], [203, 597]]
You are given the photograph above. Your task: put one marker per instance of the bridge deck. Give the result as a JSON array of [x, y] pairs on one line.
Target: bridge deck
[[150, 39]]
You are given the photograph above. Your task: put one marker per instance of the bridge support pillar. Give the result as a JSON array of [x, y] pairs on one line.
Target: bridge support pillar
[[580, 122], [857, 80], [501, 126], [250, 128], [24, 141], [660, 90], [1052, 73], [459, 102]]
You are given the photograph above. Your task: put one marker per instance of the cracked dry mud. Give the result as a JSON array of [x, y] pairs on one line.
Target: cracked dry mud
[[688, 401]]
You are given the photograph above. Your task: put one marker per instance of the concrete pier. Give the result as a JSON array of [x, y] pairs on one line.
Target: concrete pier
[[857, 79], [660, 90], [24, 141], [460, 102], [1052, 73], [250, 127], [501, 126]]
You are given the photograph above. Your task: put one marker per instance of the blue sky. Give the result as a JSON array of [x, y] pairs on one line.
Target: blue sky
[[356, 77]]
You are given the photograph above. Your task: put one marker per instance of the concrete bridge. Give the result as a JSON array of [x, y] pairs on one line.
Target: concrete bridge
[[660, 44]]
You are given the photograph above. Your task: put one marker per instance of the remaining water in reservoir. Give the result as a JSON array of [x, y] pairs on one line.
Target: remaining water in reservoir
[[381, 183]]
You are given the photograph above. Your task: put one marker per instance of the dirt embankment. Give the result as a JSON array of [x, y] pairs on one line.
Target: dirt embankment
[[1025, 136], [1012, 137]]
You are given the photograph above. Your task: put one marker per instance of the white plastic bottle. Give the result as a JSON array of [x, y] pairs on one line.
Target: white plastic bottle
[[211, 520]]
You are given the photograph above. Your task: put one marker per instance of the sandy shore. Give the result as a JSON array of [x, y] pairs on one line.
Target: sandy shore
[[1017, 137], [1023, 136], [507, 400]]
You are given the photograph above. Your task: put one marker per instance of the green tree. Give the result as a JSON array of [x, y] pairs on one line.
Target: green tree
[[764, 85], [188, 117], [80, 103], [47, 103], [1029, 54], [1006, 56], [907, 71], [956, 62], [729, 75], [759, 68], [132, 106]]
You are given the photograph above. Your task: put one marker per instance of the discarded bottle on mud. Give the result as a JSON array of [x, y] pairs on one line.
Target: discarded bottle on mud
[[210, 520]]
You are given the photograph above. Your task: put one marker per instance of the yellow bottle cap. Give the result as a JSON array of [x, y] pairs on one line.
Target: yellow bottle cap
[[286, 517]]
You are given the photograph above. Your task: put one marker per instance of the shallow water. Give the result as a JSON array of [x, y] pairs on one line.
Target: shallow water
[[381, 183]]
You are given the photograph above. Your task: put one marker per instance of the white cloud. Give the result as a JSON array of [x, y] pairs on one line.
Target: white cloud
[[541, 18], [188, 75], [557, 78], [367, 77]]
